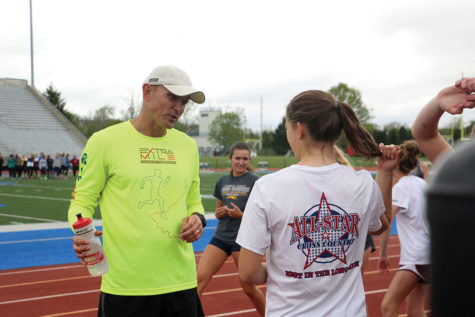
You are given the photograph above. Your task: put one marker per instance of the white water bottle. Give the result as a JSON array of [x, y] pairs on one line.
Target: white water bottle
[[96, 259]]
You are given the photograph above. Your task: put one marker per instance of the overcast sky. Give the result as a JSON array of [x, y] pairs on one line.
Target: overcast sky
[[399, 54]]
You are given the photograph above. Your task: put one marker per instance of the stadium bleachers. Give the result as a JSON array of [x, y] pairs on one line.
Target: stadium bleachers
[[30, 124]]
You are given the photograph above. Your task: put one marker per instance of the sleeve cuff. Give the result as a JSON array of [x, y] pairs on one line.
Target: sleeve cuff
[[202, 218]]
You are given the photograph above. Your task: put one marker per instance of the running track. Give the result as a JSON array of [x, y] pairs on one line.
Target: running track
[[68, 290]]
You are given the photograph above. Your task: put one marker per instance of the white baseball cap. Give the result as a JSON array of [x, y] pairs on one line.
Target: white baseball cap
[[175, 81]]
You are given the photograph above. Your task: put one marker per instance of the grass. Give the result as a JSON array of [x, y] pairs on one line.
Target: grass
[[35, 200], [273, 161], [276, 161], [18, 198]]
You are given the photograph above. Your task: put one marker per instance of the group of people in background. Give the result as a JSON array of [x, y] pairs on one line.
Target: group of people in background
[[39, 166]]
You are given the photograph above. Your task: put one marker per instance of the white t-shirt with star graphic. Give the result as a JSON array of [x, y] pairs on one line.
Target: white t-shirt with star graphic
[[313, 223]]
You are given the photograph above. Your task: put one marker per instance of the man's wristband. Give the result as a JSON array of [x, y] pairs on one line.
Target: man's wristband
[[202, 218]]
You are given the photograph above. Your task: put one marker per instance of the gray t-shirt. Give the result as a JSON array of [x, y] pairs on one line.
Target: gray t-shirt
[[236, 190]]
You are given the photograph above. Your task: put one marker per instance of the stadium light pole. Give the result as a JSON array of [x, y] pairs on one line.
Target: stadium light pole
[[31, 47], [260, 132]]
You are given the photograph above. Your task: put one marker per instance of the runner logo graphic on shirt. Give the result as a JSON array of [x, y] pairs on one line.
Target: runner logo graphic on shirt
[[156, 156], [155, 185], [324, 233]]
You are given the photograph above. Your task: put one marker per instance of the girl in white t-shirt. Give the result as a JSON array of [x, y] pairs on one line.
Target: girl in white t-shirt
[[311, 219], [411, 280]]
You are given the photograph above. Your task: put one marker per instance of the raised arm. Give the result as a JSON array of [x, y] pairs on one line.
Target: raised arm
[[384, 178], [453, 100]]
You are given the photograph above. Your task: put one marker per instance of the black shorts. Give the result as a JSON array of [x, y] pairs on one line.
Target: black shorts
[[369, 243], [177, 304], [228, 247]]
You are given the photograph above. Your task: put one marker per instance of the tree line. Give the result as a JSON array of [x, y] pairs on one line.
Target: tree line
[[101, 118], [228, 127]]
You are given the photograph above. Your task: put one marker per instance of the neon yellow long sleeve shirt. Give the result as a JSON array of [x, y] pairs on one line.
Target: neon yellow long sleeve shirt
[[145, 186]]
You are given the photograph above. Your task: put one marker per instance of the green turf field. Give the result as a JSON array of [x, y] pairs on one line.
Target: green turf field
[[35, 200], [276, 161]]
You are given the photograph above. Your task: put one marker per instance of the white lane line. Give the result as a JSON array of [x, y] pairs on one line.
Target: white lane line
[[376, 291], [41, 187], [48, 297], [72, 312], [42, 270], [50, 239], [54, 224], [389, 256], [97, 290], [224, 275], [34, 197], [36, 240], [25, 217], [234, 313]]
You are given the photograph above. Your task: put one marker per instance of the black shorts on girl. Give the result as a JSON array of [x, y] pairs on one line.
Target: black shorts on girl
[[227, 247], [369, 243]]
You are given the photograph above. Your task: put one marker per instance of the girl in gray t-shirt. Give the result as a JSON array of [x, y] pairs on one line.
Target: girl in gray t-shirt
[[231, 192]]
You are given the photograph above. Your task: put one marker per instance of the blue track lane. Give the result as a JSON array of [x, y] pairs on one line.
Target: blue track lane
[[20, 249]]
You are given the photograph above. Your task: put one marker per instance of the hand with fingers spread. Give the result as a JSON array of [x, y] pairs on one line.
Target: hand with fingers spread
[[459, 97]]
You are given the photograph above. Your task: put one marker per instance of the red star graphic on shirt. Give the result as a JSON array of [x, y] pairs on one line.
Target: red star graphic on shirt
[[334, 235]]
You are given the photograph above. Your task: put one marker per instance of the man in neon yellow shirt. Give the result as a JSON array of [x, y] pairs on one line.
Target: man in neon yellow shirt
[[145, 176]]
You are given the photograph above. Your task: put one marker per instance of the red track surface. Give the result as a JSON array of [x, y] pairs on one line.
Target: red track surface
[[68, 290]]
